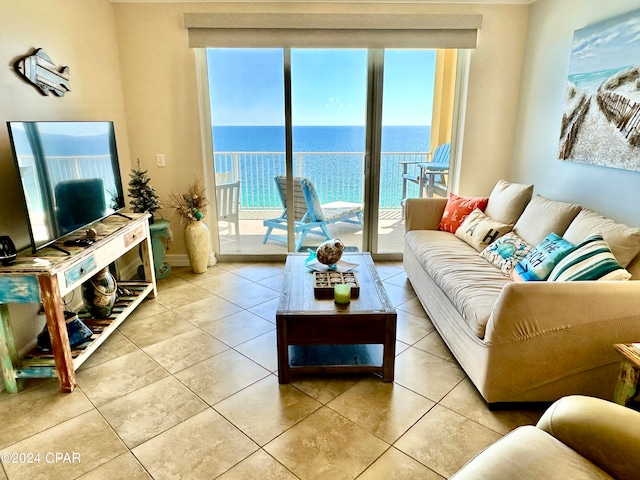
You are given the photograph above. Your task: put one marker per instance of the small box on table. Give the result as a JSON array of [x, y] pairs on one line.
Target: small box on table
[[323, 283]]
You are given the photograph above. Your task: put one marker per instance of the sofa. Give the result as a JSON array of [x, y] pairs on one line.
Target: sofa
[[523, 341], [577, 437]]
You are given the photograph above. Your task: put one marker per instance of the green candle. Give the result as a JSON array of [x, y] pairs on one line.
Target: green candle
[[342, 293]]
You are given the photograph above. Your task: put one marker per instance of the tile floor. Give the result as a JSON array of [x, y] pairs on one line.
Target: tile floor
[[187, 388]]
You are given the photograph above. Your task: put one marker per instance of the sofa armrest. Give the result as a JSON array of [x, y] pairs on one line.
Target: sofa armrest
[[605, 433], [529, 309], [423, 213]]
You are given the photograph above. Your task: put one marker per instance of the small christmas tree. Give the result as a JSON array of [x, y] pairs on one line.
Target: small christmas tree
[[144, 196]]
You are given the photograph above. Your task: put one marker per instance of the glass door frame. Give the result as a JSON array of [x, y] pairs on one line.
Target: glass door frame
[[372, 154]]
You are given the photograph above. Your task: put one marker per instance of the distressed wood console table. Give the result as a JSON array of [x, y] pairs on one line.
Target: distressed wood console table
[[47, 277], [627, 388]]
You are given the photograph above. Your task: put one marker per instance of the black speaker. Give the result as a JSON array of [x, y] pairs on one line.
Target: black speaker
[[7, 250]]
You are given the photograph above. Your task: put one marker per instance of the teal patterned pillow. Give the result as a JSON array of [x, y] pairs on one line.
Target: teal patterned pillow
[[590, 260], [505, 252], [541, 259]]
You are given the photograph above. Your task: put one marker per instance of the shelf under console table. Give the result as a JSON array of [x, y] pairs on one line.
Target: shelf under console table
[[51, 274]]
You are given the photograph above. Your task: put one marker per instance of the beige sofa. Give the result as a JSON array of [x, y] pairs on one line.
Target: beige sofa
[[532, 341], [577, 437]]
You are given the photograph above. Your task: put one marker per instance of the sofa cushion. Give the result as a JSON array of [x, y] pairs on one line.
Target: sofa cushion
[[457, 209], [471, 284], [543, 216], [590, 260], [623, 241], [508, 200], [478, 230], [541, 259], [505, 252]]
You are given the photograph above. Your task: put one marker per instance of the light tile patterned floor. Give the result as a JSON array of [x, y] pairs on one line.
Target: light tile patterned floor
[[187, 388]]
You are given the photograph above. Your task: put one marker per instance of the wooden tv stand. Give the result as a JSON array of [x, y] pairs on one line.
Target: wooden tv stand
[[47, 277]]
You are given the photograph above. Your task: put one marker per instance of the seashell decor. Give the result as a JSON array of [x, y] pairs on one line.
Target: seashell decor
[[330, 251]]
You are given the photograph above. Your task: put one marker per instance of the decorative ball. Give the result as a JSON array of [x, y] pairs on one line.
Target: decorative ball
[[198, 215], [330, 251]]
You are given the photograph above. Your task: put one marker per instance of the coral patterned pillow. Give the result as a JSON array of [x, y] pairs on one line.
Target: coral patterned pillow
[[457, 209]]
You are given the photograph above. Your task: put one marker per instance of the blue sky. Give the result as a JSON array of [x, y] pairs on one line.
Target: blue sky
[[610, 44], [329, 87]]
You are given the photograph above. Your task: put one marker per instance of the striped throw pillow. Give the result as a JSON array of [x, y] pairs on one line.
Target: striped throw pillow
[[591, 260]]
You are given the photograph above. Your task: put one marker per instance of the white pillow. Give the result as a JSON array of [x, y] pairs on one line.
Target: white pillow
[[623, 241], [543, 216], [478, 230], [507, 201]]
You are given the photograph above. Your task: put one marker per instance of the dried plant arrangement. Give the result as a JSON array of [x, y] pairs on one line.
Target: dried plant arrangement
[[190, 206]]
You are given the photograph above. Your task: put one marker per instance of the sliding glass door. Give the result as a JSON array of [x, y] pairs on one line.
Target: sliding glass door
[[344, 123], [246, 90], [329, 112], [407, 105]]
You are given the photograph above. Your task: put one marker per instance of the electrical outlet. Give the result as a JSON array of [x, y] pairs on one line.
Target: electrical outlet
[[160, 160]]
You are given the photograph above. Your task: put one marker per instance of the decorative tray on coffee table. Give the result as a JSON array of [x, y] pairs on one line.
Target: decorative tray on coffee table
[[323, 283]]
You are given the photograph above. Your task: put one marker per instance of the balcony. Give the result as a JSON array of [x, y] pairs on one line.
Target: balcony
[[338, 176]]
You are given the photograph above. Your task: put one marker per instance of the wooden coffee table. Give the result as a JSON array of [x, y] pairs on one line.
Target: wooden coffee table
[[319, 336]]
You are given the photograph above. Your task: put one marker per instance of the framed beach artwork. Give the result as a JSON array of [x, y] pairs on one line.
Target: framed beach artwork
[[601, 117]]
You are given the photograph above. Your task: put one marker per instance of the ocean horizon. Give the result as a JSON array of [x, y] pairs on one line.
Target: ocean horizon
[[412, 139], [338, 176]]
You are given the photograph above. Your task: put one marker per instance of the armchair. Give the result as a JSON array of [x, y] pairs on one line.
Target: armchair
[[577, 437]]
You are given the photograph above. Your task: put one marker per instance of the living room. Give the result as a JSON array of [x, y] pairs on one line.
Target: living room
[[130, 63]]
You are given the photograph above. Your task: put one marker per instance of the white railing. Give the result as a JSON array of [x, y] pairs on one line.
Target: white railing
[[336, 175], [64, 168]]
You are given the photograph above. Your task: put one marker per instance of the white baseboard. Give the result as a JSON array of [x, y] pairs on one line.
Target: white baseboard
[[182, 260], [130, 270]]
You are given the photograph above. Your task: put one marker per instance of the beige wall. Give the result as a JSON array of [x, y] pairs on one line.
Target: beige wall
[[614, 193], [161, 94], [77, 33]]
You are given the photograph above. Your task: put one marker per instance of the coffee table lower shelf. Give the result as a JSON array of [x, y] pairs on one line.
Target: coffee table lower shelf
[[336, 358]]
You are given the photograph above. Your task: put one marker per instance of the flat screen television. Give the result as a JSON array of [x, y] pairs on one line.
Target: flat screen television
[[69, 173]]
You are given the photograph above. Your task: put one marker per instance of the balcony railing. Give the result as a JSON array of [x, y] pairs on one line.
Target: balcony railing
[[60, 169], [338, 176]]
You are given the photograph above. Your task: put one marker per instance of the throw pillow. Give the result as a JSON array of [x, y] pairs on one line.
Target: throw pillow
[[478, 230], [590, 260], [505, 252], [543, 216], [623, 241], [457, 209], [507, 201], [539, 262]]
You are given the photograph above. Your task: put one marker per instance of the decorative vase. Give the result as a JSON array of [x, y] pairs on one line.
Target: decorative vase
[[99, 293], [196, 238]]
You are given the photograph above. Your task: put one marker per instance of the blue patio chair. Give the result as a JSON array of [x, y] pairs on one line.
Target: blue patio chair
[[310, 217], [431, 176]]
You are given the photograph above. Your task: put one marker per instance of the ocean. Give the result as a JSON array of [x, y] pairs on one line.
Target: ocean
[[318, 139], [591, 81], [337, 173]]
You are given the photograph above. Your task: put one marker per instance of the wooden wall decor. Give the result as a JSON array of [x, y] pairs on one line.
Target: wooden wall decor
[[39, 70]]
